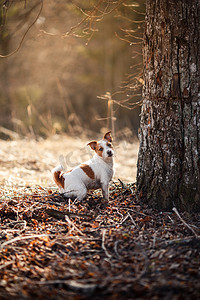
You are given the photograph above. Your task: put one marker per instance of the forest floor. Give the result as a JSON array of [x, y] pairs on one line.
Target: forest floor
[[51, 248]]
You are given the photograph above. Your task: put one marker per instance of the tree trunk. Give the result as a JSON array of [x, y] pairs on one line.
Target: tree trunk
[[169, 156]]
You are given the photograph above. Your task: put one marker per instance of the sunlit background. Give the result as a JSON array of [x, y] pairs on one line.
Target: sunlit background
[[76, 67]]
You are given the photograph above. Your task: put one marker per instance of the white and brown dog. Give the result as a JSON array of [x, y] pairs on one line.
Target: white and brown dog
[[92, 174]]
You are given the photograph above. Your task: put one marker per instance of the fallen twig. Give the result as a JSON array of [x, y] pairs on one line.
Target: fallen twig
[[188, 226], [183, 242], [61, 214], [103, 244], [7, 264], [20, 238], [71, 284], [73, 225]]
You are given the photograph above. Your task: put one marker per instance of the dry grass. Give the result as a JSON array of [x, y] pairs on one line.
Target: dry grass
[[29, 162]]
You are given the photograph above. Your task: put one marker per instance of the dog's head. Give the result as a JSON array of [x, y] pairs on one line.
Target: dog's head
[[103, 148]]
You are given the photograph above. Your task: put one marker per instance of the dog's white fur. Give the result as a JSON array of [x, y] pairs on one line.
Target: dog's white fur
[[92, 174]]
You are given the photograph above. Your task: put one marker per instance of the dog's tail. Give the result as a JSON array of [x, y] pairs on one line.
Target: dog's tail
[[58, 176]]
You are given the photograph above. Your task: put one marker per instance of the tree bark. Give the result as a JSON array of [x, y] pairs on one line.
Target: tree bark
[[169, 156]]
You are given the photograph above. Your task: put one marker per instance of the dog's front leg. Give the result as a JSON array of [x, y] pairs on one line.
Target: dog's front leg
[[105, 190]]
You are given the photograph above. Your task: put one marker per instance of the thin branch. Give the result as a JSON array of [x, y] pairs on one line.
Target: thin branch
[[137, 12], [188, 226], [20, 238], [127, 41], [92, 17], [25, 34], [62, 214], [73, 225], [103, 12], [49, 33], [103, 244], [88, 16], [7, 264], [130, 33]]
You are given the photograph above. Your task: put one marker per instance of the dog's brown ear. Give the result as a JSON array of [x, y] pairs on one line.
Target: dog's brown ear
[[93, 145], [108, 136]]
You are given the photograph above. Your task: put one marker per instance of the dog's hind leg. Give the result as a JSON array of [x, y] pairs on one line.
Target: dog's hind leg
[[82, 193], [72, 193]]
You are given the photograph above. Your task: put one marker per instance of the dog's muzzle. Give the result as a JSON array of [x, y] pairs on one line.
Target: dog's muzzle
[[110, 153]]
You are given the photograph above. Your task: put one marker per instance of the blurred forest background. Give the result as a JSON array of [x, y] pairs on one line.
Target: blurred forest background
[[69, 55]]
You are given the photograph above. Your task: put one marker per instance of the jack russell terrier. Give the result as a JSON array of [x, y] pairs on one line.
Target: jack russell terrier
[[90, 175]]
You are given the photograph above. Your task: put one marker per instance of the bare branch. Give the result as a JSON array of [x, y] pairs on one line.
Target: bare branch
[[93, 17], [127, 41], [25, 34]]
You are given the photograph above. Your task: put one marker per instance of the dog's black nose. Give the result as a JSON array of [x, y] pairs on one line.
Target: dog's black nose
[[109, 152]]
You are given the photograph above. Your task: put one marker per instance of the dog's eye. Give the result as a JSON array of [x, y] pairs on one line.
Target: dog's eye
[[101, 149], [109, 145]]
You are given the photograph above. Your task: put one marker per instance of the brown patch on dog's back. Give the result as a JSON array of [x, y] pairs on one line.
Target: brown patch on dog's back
[[59, 179], [88, 171]]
